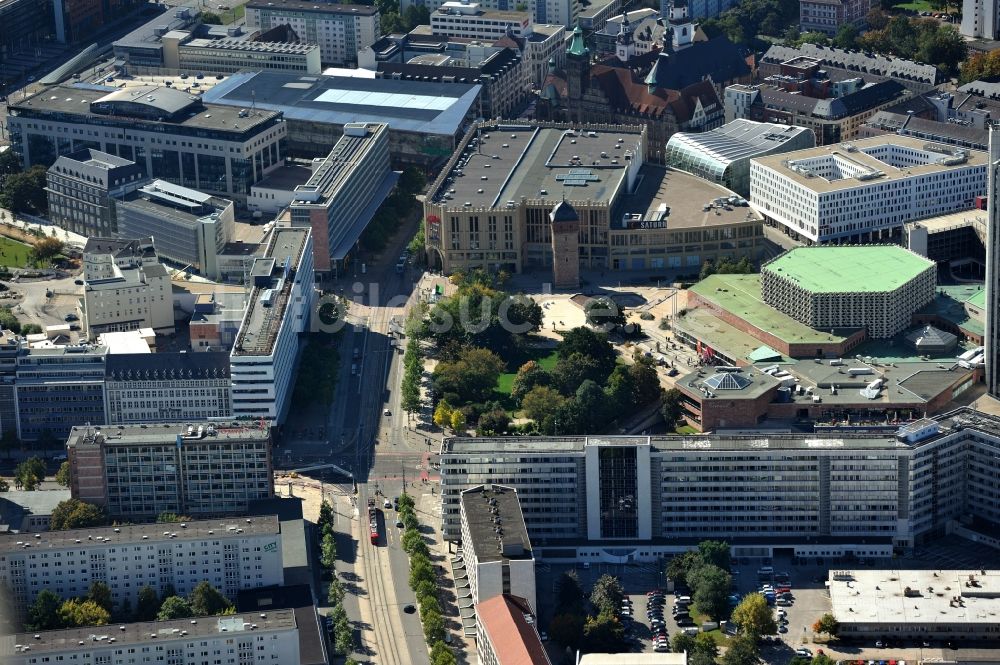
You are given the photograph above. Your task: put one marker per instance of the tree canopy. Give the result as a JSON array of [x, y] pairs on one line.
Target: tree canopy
[[174, 607], [754, 616], [76, 514]]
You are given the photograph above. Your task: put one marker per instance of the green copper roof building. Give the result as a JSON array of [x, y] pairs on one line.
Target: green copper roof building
[[577, 46], [847, 286]]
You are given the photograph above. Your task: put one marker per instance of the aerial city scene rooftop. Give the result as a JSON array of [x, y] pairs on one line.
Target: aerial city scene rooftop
[[476, 332]]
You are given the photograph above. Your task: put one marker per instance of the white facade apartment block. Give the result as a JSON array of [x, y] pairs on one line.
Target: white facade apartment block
[[125, 287], [472, 21], [822, 494], [980, 19], [232, 554], [340, 30], [266, 352], [867, 186], [495, 545], [242, 639]]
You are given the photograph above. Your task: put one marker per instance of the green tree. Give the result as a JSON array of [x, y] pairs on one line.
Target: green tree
[[681, 643], [343, 637], [705, 644], [569, 594], [47, 248], [174, 607], [715, 552], [645, 382], [75, 612], [25, 191], [493, 423], [325, 514], [335, 593], [442, 414], [76, 514], [328, 551], [573, 370], [847, 36], [458, 421], [63, 476], [742, 650], [30, 473], [100, 593], [44, 612], [206, 600], [211, 18], [671, 408], [754, 616], [604, 633], [442, 655], [826, 624], [4, 485], [817, 38], [529, 375], [680, 565], [473, 375], [172, 518], [711, 590], [591, 344], [567, 630], [607, 594], [148, 604], [541, 402], [31, 329], [433, 626], [9, 163]]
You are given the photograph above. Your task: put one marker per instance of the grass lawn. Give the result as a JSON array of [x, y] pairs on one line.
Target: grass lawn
[[14, 254], [686, 429], [545, 357]]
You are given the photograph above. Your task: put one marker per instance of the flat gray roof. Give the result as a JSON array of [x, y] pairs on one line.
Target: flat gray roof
[[880, 596], [151, 632], [512, 161], [164, 433], [128, 534], [76, 100], [413, 106], [285, 177], [496, 523], [306, 6], [261, 323]]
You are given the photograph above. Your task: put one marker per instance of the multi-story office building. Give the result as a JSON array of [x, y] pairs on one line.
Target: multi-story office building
[[723, 155], [502, 75], [83, 187], [506, 633], [26, 23], [58, 388], [170, 134], [563, 13], [490, 207], [827, 15], [496, 549], [426, 120], [980, 19], [125, 287], [864, 190], [992, 332], [243, 639], [823, 494], [229, 554], [344, 193], [228, 56], [340, 30], [140, 471], [266, 351], [472, 21], [190, 228], [836, 287], [167, 387]]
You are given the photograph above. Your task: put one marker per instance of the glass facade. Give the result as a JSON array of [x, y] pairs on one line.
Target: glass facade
[[211, 173], [618, 489]]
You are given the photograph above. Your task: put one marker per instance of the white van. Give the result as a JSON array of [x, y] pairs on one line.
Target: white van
[[766, 572], [683, 600]]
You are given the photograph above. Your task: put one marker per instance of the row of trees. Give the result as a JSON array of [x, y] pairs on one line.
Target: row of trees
[[11, 323], [706, 572], [343, 635], [588, 390], [97, 608], [423, 581], [742, 23], [413, 369]]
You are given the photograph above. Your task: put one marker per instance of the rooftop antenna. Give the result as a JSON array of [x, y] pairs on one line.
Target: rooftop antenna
[[253, 100]]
